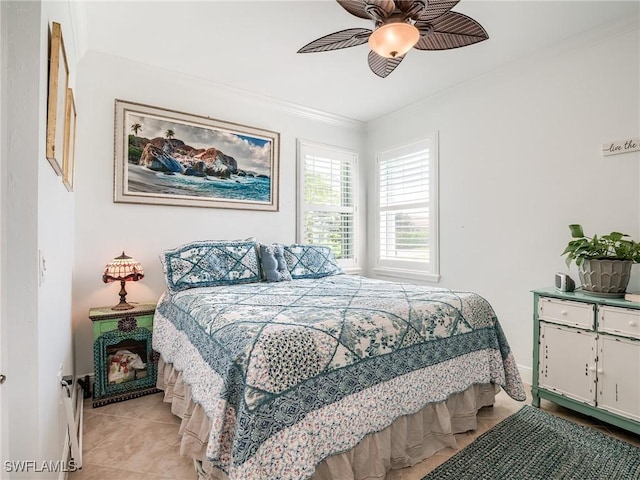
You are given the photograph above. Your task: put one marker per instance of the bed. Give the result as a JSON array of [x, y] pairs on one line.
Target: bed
[[322, 376]]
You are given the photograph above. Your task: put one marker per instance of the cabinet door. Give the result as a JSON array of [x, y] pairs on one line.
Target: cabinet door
[[619, 376], [568, 362]]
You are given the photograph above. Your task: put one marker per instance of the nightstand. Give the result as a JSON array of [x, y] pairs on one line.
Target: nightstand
[[125, 365]]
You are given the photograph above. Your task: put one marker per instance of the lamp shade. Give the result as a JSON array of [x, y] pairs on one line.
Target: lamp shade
[[123, 268], [393, 39]]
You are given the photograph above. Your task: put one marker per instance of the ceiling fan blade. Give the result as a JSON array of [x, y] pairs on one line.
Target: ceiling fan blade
[[412, 8], [376, 10], [385, 7], [337, 40], [383, 66], [451, 30], [354, 7], [435, 9]]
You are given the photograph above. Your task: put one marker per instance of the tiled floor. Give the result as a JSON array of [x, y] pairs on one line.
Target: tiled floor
[[138, 440]]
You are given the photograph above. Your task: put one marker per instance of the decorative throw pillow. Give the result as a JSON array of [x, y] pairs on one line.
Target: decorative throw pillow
[[273, 264], [310, 261], [210, 263]]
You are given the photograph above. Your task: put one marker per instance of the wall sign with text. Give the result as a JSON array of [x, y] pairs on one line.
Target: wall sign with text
[[623, 146]]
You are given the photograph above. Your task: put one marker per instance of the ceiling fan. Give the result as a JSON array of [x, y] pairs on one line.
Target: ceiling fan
[[400, 25]]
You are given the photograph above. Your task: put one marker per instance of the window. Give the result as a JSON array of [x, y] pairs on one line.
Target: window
[[407, 215], [327, 199]]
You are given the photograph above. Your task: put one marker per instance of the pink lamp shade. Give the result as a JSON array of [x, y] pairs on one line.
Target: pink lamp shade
[[123, 269]]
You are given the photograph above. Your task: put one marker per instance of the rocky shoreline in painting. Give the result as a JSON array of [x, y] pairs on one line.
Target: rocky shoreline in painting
[[171, 156]]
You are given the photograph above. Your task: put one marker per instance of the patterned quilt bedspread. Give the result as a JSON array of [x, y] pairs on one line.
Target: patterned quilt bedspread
[[292, 372]]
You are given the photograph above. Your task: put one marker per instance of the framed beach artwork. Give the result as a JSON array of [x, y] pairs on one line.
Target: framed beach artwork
[[58, 82], [164, 157]]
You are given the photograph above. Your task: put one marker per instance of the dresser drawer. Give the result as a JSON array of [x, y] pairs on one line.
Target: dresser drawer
[[619, 321], [566, 312]]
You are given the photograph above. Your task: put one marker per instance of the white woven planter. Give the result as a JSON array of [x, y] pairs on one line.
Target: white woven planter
[[605, 277]]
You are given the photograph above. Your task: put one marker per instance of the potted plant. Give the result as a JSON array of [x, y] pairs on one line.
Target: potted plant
[[604, 263]]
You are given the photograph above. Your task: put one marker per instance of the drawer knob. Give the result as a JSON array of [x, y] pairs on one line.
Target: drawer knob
[[563, 312], [633, 323], [592, 369]]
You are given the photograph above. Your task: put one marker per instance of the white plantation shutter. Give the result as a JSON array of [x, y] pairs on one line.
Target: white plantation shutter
[[327, 199], [407, 219]]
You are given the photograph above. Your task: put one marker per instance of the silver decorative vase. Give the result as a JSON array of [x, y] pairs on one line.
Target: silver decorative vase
[[606, 278]]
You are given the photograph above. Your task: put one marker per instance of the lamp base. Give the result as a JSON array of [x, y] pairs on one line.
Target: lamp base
[[123, 306]]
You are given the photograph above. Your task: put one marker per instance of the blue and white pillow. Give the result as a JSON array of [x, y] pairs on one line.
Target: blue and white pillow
[[273, 264], [310, 261], [210, 263]]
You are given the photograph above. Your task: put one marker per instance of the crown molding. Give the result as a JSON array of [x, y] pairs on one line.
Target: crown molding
[[564, 48], [298, 110], [79, 27], [256, 99]]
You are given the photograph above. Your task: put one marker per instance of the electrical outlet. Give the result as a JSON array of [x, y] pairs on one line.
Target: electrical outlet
[[60, 368]]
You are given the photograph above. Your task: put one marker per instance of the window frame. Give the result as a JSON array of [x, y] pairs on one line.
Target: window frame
[[350, 265], [411, 269]]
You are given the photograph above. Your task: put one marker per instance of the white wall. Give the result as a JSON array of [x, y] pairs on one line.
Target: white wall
[[56, 215], [103, 228], [20, 225], [4, 411], [37, 216], [520, 160]]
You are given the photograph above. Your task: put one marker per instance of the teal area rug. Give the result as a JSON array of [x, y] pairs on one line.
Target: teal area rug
[[533, 444]]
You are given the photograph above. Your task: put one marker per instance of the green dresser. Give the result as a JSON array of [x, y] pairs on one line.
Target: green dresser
[[125, 365], [586, 355]]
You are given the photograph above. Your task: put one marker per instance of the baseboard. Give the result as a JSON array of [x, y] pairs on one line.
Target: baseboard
[[526, 374]]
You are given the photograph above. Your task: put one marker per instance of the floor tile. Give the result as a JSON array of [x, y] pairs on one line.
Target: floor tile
[[131, 409], [138, 439], [93, 472]]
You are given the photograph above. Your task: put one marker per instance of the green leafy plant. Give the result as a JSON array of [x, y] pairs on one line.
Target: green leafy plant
[[615, 246]]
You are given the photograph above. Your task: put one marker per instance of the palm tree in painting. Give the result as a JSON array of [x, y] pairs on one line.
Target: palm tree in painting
[[169, 134], [136, 127]]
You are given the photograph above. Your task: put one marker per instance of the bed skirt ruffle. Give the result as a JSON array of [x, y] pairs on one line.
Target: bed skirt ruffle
[[407, 441]]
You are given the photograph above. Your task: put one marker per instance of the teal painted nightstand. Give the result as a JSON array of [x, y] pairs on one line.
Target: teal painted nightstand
[[120, 376], [586, 355]]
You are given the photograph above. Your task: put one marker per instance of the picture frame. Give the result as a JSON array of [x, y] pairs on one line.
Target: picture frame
[[58, 84], [69, 154], [166, 157]]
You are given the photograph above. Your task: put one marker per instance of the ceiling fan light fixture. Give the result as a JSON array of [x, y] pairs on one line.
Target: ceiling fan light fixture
[[393, 39], [400, 25]]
